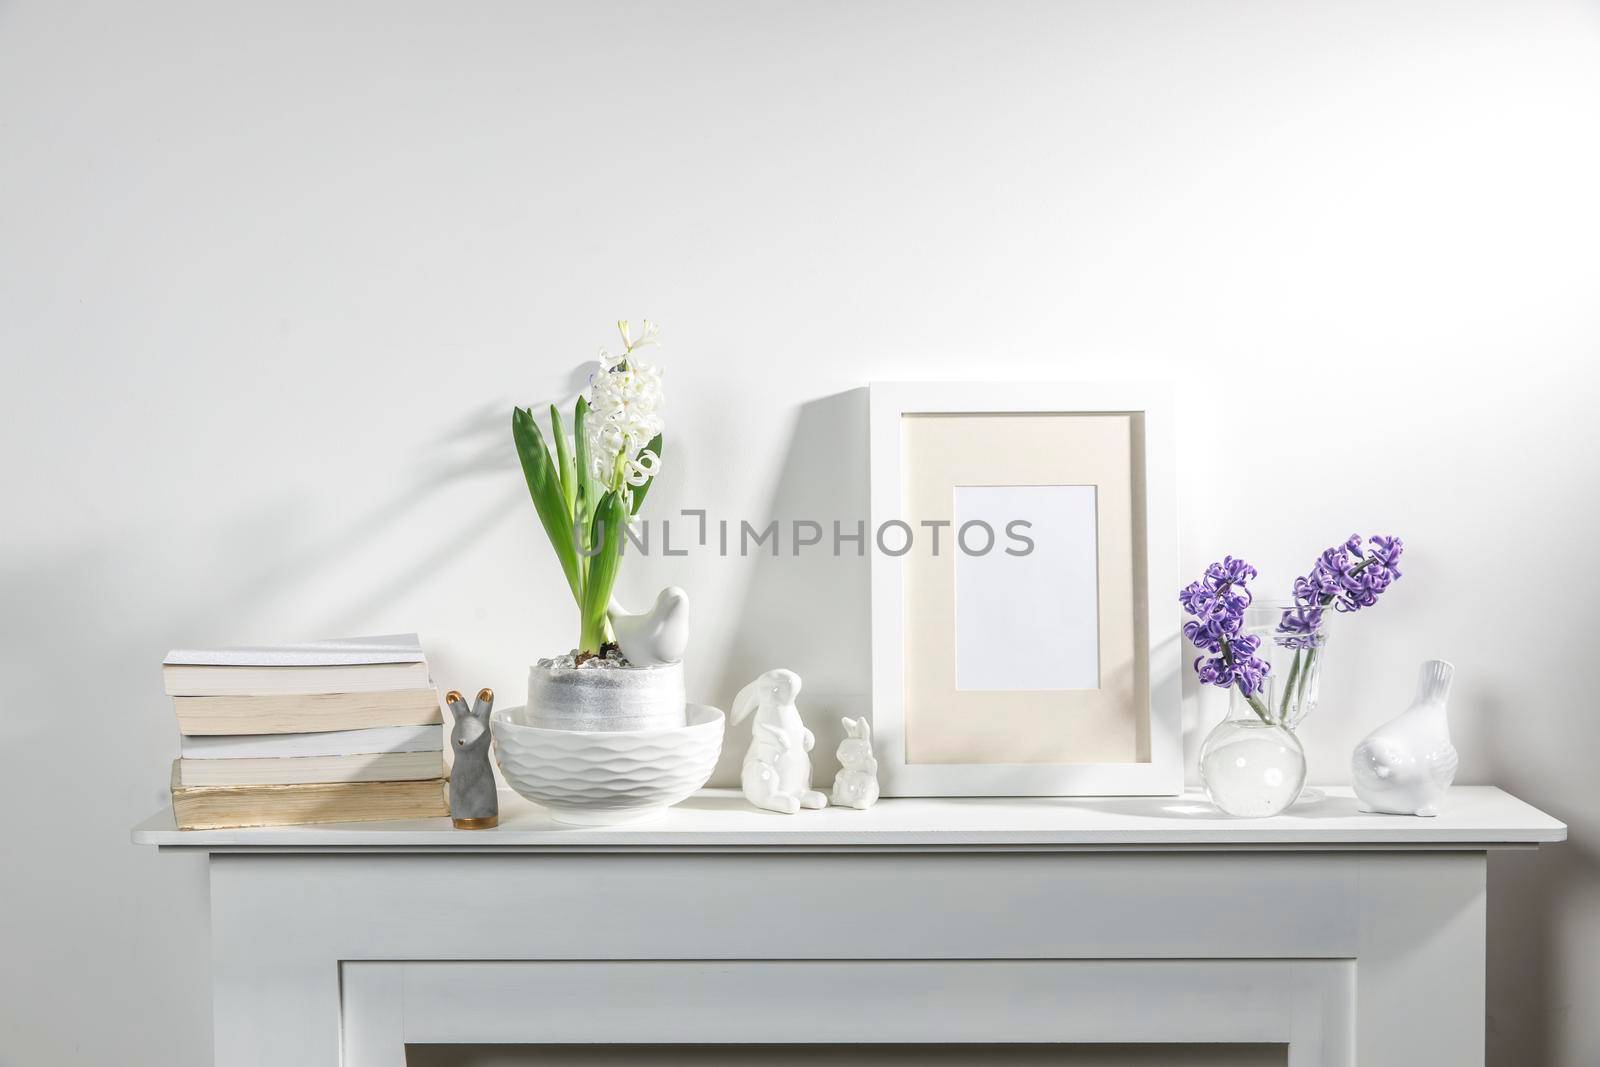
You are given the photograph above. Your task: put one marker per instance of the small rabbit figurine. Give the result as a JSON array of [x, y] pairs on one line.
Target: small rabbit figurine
[[1404, 766], [856, 785], [777, 769], [474, 804]]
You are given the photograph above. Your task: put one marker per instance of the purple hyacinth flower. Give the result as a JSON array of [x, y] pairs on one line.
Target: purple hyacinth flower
[[1218, 602], [1345, 578]]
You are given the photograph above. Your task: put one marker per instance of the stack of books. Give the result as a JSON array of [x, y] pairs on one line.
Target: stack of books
[[331, 731]]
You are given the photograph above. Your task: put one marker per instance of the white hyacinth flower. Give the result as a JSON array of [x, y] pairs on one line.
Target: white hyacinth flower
[[625, 399], [642, 467]]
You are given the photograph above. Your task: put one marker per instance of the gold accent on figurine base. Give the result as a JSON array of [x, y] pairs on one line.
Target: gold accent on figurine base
[[488, 822]]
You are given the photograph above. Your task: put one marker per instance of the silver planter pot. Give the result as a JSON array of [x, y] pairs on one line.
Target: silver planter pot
[[602, 699]]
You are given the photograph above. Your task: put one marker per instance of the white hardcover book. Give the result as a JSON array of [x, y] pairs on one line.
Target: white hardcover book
[[304, 713], [331, 743], [187, 680], [309, 770], [334, 652]]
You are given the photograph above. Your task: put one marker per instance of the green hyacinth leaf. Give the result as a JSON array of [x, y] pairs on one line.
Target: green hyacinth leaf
[[544, 487], [610, 516], [583, 508], [569, 484]]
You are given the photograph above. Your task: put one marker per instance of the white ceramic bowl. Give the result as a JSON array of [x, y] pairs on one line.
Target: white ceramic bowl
[[596, 778]]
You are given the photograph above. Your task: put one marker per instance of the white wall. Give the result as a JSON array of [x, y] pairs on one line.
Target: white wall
[[272, 276]]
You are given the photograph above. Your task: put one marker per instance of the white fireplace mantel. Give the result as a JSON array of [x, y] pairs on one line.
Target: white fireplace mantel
[[1351, 938]]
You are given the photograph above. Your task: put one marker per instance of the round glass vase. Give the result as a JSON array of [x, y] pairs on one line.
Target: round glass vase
[[1252, 763], [1251, 767]]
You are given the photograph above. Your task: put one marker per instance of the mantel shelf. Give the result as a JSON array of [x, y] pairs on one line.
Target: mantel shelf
[[1474, 817]]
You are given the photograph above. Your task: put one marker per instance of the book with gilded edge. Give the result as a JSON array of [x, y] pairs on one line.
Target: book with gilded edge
[[227, 807], [308, 770]]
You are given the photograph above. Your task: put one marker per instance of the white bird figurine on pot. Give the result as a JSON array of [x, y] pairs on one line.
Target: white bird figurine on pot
[[657, 636]]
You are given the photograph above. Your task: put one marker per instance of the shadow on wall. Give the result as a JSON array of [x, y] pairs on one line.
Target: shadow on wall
[[478, 445], [144, 589], [90, 624], [1534, 897], [810, 612], [201, 581]]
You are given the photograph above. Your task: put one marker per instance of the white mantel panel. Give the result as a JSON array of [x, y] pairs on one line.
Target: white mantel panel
[[1474, 817], [1367, 929], [1306, 1004], [606, 907]]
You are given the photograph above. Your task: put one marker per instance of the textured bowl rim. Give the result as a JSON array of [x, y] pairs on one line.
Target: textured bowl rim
[[714, 720], [631, 668]]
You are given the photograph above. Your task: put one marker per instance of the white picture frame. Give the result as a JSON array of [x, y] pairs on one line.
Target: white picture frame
[[1158, 768]]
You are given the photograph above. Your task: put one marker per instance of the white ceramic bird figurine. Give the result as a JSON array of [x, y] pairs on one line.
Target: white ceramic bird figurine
[[1404, 766], [657, 636]]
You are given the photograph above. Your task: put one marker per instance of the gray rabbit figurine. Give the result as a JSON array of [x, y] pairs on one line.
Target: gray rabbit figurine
[[474, 803]]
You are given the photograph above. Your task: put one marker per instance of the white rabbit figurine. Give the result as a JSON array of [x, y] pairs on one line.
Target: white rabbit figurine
[[857, 783], [777, 769]]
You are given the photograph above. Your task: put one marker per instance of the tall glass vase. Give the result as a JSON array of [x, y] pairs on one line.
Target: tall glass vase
[[1252, 763], [1296, 657]]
